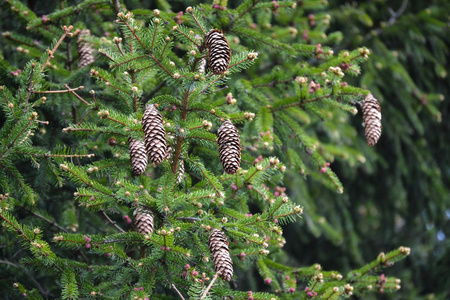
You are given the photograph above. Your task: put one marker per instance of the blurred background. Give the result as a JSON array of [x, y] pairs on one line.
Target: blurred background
[[398, 192], [400, 195]]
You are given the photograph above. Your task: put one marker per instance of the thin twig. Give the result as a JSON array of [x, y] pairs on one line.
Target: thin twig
[[209, 286], [179, 294], [198, 23], [112, 222], [242, 13], [51, 52], [75, 94], [60, 91]]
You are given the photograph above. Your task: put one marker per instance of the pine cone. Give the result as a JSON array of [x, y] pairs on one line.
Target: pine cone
[[229, 147], [85, 50], [143, 219], [219, 52], [155, 135], [202, 66], [180, 172], [372, 119], [138, 157], [218, 246]]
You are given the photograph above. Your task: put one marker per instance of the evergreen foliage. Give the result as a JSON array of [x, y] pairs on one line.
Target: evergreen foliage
[[70, 218]]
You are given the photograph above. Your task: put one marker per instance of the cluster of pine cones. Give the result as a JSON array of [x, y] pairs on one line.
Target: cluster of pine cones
[[155, 146]]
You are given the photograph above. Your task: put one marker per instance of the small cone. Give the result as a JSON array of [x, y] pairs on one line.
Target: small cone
[[138, 156], [202, 66], [155, 135], [372, 119], [143, 219], [180, 172], [229, 147], [219, 52], [218, 246], [85, 50]]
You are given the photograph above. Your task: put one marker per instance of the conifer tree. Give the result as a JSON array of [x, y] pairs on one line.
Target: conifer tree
[[228, 97]]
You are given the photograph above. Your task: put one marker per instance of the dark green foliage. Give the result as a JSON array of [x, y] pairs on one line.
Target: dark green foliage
[[291, 90]]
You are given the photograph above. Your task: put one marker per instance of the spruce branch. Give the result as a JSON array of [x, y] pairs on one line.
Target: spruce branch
[[191, 12], [117, 43], [29, 88], [165, 47], [122, 18], [68, 90], [186, 36], [17, 229], [102, 52], [69, 129], [7, 102], [127, 61], [231, 24], [154, 34], [67, 31], [218, 192]]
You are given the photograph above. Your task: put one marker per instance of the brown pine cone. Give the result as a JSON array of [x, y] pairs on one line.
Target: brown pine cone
[[202, 66], [229, 147], [138, 156], [143, 219], [155, 135], [372, 119], [85, 50], [180, 172], [218, 246], [219, 52]]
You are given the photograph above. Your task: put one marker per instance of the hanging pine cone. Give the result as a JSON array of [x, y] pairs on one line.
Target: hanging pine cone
[[180, 172], [372, 119], [143, 219], [155, 135], [138, 157], [229, 147], [85, 50], [202, 66], [219, 52], [218, 246]]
